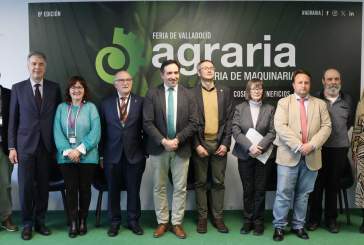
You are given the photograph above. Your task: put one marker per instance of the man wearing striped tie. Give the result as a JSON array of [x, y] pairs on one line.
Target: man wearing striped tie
[[170, 119]]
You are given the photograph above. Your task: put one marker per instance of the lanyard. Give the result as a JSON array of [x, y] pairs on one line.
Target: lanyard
[[71, 122]]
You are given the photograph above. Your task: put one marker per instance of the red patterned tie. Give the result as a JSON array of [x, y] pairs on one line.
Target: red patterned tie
[[303, 120], [123, 114]]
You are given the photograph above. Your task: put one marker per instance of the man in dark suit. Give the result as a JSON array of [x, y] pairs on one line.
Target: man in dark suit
[[169, 117], [6, 168], [211, 144], [123, 151], [31, 144]]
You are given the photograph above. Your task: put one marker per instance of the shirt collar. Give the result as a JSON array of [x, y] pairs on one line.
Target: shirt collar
[[166, 88], [34, 83], [299, 98], [208, 90], [120, 97]]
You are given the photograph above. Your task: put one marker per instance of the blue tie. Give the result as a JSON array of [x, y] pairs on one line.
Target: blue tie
[[171, 131]]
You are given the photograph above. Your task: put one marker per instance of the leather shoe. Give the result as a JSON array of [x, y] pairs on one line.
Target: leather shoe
[[247, 227], [333, 227], [83, 227], [135, 228], [258, 229], [311, 226], [361, 228], [42, 229], [178, 231], [160, 230], [26, 234], [301, 233], [113, 230], [8, 225], [220, 225], [72, 232], [278, 234], [201, 225]]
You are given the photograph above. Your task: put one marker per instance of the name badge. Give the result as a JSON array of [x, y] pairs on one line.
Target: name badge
[[72, 140]]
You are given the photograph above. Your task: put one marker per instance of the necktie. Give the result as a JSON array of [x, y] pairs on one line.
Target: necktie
[[303, 120], [38, 96], [171, 131], [123, 113]]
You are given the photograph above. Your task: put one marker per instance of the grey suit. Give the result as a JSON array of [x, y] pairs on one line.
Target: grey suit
[[252, 171], [242, 121], [155, 125]]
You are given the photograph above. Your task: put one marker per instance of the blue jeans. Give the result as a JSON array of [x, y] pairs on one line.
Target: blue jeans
[[293, 183]]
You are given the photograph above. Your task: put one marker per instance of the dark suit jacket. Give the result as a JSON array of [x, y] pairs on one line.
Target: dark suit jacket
[[118, 140], [155, 122], [5, 102], [27, 125], [242, 121], [225, 116]]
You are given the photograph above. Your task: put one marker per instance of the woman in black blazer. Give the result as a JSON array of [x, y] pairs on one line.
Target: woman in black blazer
[[255, 114]]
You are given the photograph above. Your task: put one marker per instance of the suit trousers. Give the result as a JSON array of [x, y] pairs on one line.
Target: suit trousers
[[179, 169], [201, 166], [253, 177], [33, 180], [77, 179], [131, 176], [6, 168], [328, 179]]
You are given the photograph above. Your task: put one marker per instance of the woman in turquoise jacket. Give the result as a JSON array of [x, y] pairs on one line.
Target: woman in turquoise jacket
[[77, 133]]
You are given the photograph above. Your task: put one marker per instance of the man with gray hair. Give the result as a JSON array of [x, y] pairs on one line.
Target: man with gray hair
[[334, 152], [31, 144]]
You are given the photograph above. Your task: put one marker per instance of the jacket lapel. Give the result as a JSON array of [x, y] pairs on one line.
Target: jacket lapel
[[30, 94], [260, 115], [220, 102], [45, 95], [162, 101], [114, 110], [198, 93], [310, 112]]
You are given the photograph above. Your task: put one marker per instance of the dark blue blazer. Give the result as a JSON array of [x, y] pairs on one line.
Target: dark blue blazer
[[27, 125], [118, 140]]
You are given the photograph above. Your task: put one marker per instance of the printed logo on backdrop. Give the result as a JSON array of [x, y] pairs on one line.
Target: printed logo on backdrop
[[124, 53]]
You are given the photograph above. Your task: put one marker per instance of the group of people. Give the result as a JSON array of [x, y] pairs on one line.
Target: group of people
[[175, 127]]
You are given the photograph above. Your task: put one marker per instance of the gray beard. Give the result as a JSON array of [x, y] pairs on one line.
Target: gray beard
[[333, 91]]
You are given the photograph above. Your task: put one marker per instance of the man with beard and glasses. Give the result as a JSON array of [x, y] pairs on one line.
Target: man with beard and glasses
[[334, 152]]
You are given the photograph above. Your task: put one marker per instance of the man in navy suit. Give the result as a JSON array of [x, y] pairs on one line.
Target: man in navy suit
[[123, 151], [30, 141]]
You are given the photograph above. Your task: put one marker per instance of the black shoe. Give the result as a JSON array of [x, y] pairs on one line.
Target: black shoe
[[135, 228], [113, 230], [361, 228], [246, 228], [333, 227], [311, 226], [83, 227], [72, 232], [42, 229], [258, 229], [301, 233], [26, 234], [278, 235]]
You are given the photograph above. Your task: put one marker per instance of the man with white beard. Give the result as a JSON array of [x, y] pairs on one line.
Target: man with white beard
[[334, 152]]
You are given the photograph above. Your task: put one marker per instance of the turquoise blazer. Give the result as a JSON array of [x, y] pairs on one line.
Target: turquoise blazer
[[88, 132]]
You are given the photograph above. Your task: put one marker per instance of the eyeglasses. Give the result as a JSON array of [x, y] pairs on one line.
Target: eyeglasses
[[206, 68], [256, 89], [123, 80], [77, 87]]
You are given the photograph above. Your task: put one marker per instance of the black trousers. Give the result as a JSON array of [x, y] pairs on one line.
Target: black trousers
[[33, 180], [130, 176], [333, 163], [253, 177], [77, 179]]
